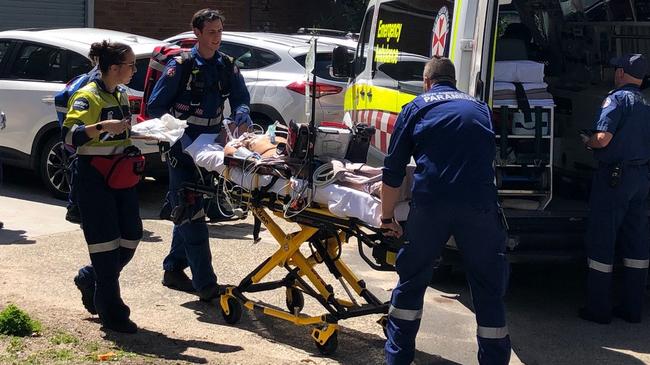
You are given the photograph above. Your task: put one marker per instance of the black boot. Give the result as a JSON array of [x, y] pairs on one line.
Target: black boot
[[86, 286], [177, 280], [127, 326], [209, 292], [73, 215]]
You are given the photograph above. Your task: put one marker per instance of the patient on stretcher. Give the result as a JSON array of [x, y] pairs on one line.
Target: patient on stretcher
[[255, 143]]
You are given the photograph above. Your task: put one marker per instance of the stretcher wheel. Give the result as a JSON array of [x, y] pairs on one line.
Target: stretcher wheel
[[234, 309], [330, 346], [295, 300]]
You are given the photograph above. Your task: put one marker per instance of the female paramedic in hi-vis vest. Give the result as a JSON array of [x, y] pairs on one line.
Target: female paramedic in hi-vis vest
[[97, 124]]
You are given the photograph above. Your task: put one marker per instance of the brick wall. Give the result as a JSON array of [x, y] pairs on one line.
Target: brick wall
[[164, 18]]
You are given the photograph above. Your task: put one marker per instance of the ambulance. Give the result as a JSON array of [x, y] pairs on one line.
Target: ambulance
[[542, 66]]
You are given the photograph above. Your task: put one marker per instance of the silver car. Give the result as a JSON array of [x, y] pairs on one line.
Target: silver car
[[273, 66], [35, 64]]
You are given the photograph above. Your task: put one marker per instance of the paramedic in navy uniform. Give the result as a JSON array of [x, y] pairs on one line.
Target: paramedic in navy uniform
[[199, 100], [621, 144], [450, 136]]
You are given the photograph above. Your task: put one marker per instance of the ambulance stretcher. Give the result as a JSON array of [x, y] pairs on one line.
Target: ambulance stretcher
[[264, 189]]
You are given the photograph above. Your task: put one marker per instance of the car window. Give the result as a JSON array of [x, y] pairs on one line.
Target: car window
[[322, 66], [38, 62], [137, 81], [400, 53], [362, 49], [78, 65], [4, 47], [247, 58]]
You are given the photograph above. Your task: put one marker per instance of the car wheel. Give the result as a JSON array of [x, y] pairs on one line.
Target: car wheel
[[54, 167], [261, 120]]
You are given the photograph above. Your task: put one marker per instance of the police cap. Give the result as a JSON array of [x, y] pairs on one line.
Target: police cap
[[633, 64]]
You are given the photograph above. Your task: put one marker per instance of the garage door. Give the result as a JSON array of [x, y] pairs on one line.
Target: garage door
[[43, 13]]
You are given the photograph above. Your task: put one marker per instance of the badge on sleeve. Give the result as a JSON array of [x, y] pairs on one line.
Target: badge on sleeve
[[607, 102], [81, 104], [171, 71]]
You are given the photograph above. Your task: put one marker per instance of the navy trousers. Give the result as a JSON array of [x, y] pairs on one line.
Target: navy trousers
[[618, 214], [112, 228], [190, 241], [481, 239]]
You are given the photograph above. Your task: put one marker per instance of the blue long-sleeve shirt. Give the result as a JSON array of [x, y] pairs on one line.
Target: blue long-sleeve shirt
[[169, 95], [450, 136]]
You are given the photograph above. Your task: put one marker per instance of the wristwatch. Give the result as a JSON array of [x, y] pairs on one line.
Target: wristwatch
[[387, 220], [99, 126]]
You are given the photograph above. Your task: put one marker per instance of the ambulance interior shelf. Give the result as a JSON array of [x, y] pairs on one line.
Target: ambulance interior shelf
[[524, 154]]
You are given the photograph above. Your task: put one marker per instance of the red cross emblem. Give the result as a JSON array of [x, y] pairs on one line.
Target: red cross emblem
[[440, 29]]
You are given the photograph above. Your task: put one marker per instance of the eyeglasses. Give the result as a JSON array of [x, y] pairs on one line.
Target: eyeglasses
[[130, 64]]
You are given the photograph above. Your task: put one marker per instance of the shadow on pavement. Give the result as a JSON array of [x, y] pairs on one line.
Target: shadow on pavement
[[351, 342], [542, 304], [156, 344], [148, 236], [240, 230], [14, 237]]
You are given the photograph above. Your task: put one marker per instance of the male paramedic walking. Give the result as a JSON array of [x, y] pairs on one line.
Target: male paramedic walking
[[450, 135], [619, 193], [195, 88]]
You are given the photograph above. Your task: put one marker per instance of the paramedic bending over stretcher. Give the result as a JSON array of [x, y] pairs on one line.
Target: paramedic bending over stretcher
[[195, 88], [450, 136], [97, 125]]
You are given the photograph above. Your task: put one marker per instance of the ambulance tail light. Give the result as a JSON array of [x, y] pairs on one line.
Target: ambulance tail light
[[321, 89]]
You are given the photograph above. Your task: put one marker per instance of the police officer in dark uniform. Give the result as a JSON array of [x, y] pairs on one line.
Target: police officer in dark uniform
[[449, 134], [195, 88], [621, 144]]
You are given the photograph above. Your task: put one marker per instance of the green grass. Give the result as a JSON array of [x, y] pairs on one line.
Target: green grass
[[58, 354], [93, 346], [16, 344], [61, 348], [16, 322], [61, 338]]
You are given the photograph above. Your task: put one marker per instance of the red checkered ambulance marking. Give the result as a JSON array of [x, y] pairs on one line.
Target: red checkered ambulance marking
[[384, 122]]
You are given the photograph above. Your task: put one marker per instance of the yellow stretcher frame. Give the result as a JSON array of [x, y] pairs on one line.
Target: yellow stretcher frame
[[326, 233], [302, 276]]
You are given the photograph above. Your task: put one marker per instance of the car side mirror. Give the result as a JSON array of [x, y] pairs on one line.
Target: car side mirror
[[341, 62]]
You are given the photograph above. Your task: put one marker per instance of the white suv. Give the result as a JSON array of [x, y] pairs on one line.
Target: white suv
[[34, 66], [273, 66]]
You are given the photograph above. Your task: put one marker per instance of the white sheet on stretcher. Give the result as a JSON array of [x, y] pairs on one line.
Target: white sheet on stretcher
[[499, 85], [519, 71], [340, 200]]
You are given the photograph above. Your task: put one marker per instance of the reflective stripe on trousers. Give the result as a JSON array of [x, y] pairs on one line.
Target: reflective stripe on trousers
[[636, 264], [405, 314], [599, 266], [492, 332], [112, 245]]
